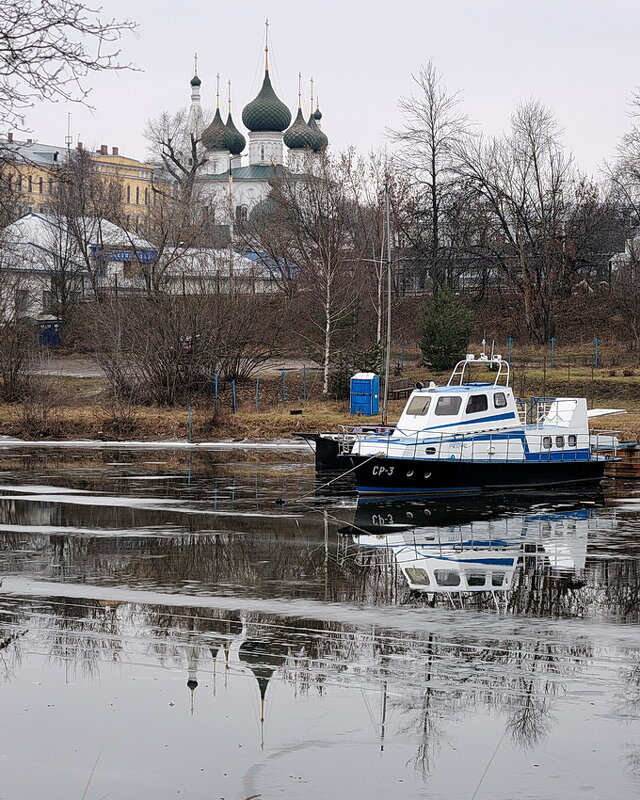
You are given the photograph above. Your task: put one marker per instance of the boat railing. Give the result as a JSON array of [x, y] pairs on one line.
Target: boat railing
[[497, 445], [495, 363]]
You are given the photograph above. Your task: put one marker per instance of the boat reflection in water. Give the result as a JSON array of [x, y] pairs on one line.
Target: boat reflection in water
[[464, 551]]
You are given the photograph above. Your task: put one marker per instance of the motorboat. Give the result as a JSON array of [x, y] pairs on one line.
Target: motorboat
[[471, 436]]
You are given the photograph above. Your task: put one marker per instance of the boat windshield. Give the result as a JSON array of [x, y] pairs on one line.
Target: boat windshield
[[419, 406]]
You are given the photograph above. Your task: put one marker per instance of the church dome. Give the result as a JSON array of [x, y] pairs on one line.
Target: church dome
[[317, 114], [266, 112], [299, 135], [320, 140], [214, 136], [235, 140], [195, 81]]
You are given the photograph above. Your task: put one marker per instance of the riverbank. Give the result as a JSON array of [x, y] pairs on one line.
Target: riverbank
[[74, 408]]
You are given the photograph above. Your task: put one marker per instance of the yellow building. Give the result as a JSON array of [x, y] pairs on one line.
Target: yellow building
[[33, 169]]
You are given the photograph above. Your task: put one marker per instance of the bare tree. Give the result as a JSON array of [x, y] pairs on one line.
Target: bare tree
[[531, 191], [314, 212], [48, 48], [180, 151], [435, 126]]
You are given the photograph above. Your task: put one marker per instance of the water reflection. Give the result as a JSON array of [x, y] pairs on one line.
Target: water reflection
[[259, 647]]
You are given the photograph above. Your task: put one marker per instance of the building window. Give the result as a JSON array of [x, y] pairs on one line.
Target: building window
[[262, 153], [20, 183], [146, 197], [50, 186], [47, 300], [41, 185], [242, 213], [128, 194], [30, 180], [22, 301], [137, 195]]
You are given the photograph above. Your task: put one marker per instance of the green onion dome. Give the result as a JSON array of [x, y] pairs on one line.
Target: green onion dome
[[299, 135], [235, 140], [214, 136], [320, 140], [266, 112], [195, 81], [317, 114]]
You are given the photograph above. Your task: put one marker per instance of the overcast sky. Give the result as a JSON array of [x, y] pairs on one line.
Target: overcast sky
[[580, 57]]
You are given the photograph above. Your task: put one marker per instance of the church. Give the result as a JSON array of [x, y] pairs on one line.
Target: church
[[235, 176]]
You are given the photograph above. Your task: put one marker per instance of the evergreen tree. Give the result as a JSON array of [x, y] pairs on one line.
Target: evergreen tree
[[445, 329]]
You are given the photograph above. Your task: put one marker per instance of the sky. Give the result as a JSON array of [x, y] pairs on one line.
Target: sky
[[580, 57]]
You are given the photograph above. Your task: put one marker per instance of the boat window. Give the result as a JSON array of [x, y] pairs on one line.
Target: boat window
[[476, 578], [572, 440], [497, 579], [499, 400], [446, 577], [477, 402], [419, 405], [559, 441], [546, 442], [447, 406], [418, 575]]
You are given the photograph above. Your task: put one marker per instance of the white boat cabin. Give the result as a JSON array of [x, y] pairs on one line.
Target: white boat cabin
[[483, 421]]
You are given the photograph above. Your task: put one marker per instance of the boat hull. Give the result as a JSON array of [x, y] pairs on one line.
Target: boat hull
[[379, 475]]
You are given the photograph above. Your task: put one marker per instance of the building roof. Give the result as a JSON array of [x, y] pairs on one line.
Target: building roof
[[43, 155], [215, 136], [253, 172], [299, 136], [266, 112]]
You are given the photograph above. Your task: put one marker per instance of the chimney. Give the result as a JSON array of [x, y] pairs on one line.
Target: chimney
[[79, 146], [29, 141], [104, 150], [114, 151], [10, 136]]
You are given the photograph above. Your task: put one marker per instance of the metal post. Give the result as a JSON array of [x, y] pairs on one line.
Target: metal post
[[596, 353], [553, 351], [189, 425], [304, 383], [234, 404], [283, 385], [257, 394], [387, 213], [215, 388], [510, 349]]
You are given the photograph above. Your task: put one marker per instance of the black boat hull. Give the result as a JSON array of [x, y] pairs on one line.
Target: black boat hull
[[380, 475]]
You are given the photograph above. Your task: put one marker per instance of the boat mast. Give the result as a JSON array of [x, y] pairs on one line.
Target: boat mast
[[387, 361]]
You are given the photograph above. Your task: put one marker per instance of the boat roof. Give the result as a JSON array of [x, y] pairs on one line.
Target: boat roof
[[467, 387]]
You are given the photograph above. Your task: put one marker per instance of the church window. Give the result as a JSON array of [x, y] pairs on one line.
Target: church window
[[30, 180], [242, 213], [128, 194], [41, 185], [146, 197], [137, 195], [262, 153]]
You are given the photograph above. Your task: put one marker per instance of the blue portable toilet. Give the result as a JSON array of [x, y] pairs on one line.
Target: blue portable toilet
[[365, 393]]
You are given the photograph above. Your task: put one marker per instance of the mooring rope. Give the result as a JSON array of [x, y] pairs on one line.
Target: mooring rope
[[281, 501]]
